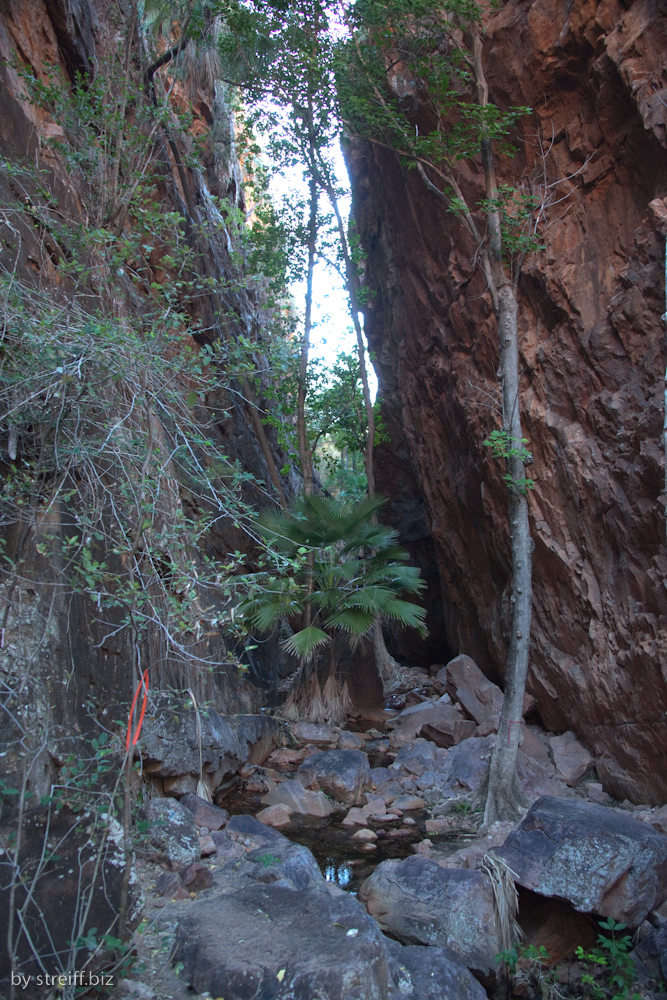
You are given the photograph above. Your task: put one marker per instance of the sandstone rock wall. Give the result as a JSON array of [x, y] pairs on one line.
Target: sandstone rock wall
[[593, 352]]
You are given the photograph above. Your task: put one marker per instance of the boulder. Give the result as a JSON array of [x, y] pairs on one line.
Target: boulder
[[276, 816], [439, 715], [422, 973], [448, 732], [258, 735], [416, 758], [172, 831], [350, 741], [572, 761], [345, 774], [281, 943], [659, 820], [250, 832], [291, 864], [481, 698], [418, 902], [169, 743], [302, 800], [313, 732], [407, 803], [196, 877], [600, 859], [205, 813]]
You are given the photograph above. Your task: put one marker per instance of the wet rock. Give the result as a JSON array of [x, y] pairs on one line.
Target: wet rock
[[345, 774], [276, 816], [422, 973], [350, 741], [280, 943], [313, 732], [196, 877], [299, 799], [418, 902], [173, 831], [599, 859], [205, 813], [572, 761]]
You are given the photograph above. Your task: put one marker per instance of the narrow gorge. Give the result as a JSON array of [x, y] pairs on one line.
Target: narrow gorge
[[257, 627]]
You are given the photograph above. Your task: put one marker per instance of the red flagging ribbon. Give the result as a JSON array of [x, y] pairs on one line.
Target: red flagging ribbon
[[143, 683]]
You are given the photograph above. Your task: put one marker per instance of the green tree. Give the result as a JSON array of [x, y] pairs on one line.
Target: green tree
[[336, 559]]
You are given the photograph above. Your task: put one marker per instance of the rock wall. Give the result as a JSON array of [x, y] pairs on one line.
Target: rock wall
[[71, 665], [593, 354]]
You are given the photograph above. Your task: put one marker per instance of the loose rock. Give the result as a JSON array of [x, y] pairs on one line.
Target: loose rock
[[572, 761]]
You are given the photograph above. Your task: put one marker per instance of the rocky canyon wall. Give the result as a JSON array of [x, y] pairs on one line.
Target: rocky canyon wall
[[63, 661], [593, 358]]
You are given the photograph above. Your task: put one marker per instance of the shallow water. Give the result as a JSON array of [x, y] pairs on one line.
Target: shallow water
[[342, 859]]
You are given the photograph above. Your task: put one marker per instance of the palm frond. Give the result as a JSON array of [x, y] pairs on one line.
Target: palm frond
[[409, 615], [353, 620], [304, 643]]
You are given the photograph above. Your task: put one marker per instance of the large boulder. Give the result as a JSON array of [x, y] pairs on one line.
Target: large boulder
[[278, 943], [299, 799], [345, 774], [429, 974], [600, 859], [172, 831], [418, 902]]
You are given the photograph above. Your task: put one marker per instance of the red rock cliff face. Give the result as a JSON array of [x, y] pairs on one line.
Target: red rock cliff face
[[594, 358]]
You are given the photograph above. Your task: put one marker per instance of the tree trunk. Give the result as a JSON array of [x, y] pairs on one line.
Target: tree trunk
[[305, 453], [505, 800]]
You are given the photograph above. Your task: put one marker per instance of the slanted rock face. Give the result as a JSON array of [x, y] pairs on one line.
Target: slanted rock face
[[600, 859], [419, 902], [345, 774], [593, 359]]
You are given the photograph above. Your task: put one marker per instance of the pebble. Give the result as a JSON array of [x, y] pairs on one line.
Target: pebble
[[409, 821]]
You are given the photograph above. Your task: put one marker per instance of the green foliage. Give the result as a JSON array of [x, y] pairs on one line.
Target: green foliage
[[334, 558], [502, 446], [612, 960]]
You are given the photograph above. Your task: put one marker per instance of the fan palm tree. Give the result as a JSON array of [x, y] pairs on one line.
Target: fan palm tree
[[345, 571]]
